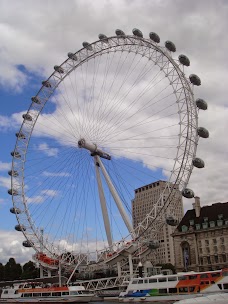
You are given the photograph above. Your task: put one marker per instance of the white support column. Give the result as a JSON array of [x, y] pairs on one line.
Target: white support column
[[41, 272], [130, 265], [103, 203], [49, 273], [116, 197], [118, 269]]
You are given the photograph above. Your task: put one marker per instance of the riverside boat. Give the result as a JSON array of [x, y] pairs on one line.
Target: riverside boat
[[34, 292], [171, 288], [219, 298]]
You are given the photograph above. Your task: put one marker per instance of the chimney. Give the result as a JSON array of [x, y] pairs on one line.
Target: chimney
[[196, 206]]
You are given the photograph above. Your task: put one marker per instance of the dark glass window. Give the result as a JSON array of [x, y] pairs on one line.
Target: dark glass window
[[162, 280], [225, 273], [172, 290], [136, 282], [191, 288], [182, 278], [215, 275], [152, 280], [172, 279], [56, 294], [220, 286], [204, 276], [37, 294], [27, 295], [162, 290], [140, 282], [192, 277], [65, 293], [46, 294], [225, 286], [183, 289]]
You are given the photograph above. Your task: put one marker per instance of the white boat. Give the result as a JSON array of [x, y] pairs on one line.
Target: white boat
[[34, 292], [170, 288], [218, 298]]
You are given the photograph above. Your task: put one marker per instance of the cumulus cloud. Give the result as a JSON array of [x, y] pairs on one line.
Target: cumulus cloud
[[5, 182], [47, 150], [4, 166], [11, 246]]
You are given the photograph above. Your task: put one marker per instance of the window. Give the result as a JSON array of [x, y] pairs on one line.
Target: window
[[192, 277], [182, 278], [27, 295], [172, 290], [73, 293], [136, 282], [46, 294], [183, 289], [161, 279], [58, 294], [65, 293], [162, 290], [225, 273], [197, 226], [220, 286], [225, 286], [140, 281], [204, 276], [5, 292], [216, 258], [184, 228], [215, 275], [191, 288], [152, 280], [37, 294], [224, 258], [214, 241], [207, 242], [209, 260], [172, 279]]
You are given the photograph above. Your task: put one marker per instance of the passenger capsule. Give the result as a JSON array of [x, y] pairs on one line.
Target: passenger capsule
[[198, 163], [184, 60], [153, 36], [195, 79], [13, 173], [154, 244], [137, 32], [36, 99], [12, 192], [15, 154], [120, 33], [59, 69], [72, 56], [15, 210], [201, 104], [203, 132], [171, 221], [27, 117], [87, 46], [170, 46], [46, 84], [103, 37], [20, 135], [188, 193], [27, 244], [20, 228]]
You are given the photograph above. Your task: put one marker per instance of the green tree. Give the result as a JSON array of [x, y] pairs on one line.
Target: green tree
[[2, 272], [13, 270], [30, 271]]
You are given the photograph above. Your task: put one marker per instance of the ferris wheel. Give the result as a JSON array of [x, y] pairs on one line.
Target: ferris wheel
[[115, 115]]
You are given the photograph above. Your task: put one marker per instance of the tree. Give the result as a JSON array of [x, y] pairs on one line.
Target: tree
[[2, 272], [30, 271], [13, 270]]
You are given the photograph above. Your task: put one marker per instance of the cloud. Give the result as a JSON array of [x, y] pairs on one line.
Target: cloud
[[47, 150], [49, 192], [11, 246], [60, 174], [4, 166], [5, 182]]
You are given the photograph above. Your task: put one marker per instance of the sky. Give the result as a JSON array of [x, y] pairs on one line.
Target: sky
[[35, 36]]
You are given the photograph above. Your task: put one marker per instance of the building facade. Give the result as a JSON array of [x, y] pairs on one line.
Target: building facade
[[201, 238], [145, 198]]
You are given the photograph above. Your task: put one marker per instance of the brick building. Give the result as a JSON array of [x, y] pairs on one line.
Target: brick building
[[201, 238]]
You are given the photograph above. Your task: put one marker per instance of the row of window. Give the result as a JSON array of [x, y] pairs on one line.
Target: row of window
[[181, 278], [50, 294]]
